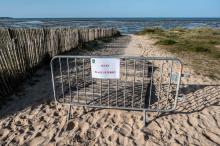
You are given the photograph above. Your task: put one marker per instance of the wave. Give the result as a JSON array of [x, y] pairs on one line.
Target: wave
[[31, 22]]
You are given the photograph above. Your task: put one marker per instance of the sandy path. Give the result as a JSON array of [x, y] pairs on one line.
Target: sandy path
[[197, 119], [34, 120]]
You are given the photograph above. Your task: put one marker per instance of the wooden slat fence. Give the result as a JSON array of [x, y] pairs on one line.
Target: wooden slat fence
[[22, 50]]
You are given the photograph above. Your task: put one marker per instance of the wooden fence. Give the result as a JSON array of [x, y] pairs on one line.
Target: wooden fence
[[23, 50]]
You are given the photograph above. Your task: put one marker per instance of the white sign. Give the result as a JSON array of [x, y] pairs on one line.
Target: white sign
[[105, 68]]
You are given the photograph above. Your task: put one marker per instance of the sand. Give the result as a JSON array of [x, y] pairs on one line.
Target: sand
[[32, 118]]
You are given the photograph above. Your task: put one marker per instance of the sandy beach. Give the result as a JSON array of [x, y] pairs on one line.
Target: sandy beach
[[31, 117]]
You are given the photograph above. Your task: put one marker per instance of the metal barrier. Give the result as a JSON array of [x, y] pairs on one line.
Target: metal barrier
[[145, 83]]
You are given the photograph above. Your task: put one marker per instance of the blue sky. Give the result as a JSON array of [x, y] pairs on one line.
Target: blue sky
[[109, 8]]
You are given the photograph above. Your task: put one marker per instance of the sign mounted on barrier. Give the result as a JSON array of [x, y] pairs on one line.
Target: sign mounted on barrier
[[105, 68]]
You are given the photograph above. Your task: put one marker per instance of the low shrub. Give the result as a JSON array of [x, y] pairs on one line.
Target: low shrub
[[166, 42], [213, 42], [199, 49], [150, 30]]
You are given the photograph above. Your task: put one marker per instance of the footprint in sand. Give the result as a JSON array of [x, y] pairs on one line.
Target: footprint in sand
[[90, 134], [125, 130], [70, 126]]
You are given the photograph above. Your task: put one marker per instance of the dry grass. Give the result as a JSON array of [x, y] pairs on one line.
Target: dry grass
[[198, 47]]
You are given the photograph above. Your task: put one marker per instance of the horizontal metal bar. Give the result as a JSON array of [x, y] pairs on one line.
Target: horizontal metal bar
[[114, 107], [119, 56]]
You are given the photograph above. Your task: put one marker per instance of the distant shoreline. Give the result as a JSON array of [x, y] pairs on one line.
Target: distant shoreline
[[89, 18], [6, 18], [124, 25]]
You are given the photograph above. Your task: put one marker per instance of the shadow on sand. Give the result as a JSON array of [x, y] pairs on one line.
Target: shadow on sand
[[195, 99], [38, 89]]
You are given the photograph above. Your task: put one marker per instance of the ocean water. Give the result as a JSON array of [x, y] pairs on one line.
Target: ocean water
[[125, 25]]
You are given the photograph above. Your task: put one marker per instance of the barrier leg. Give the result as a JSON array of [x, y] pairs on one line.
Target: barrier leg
[[68, 116], [84, 110], [56, 104], [145, 118]]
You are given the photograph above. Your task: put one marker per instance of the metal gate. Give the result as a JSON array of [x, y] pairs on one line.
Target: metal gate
[[145, 83]]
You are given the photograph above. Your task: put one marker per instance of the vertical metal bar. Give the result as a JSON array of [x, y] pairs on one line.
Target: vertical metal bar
[[84, 81], [92, 83], [68, 74], [77, 88], [168, 88], [108, 91], [151, 83], [160, 82], [61, 76], [53, 83], [142, 87], [134, 83], [100, 91], [92, 89], [145, 117], [116, 93], [178, 84], [125, 81]]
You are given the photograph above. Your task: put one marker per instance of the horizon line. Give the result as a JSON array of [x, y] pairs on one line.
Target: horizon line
[[100, 17]]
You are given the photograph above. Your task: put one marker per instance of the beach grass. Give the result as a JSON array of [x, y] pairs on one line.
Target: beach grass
[[200, 47]]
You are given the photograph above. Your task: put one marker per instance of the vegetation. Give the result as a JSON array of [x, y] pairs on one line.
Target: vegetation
[[166, 42], [150, 30], [200, 47]]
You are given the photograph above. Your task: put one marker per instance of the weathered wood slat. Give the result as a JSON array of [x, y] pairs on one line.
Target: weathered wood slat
[[22, 50]]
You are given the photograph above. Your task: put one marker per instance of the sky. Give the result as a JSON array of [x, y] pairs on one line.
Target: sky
[[108, 8]]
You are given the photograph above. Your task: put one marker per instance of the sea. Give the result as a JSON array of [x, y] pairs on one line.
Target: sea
[[124, 25]]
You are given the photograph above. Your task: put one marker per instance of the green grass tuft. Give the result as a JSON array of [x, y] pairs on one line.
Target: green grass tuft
[[166, 42], [150, 30], [199, 49]]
